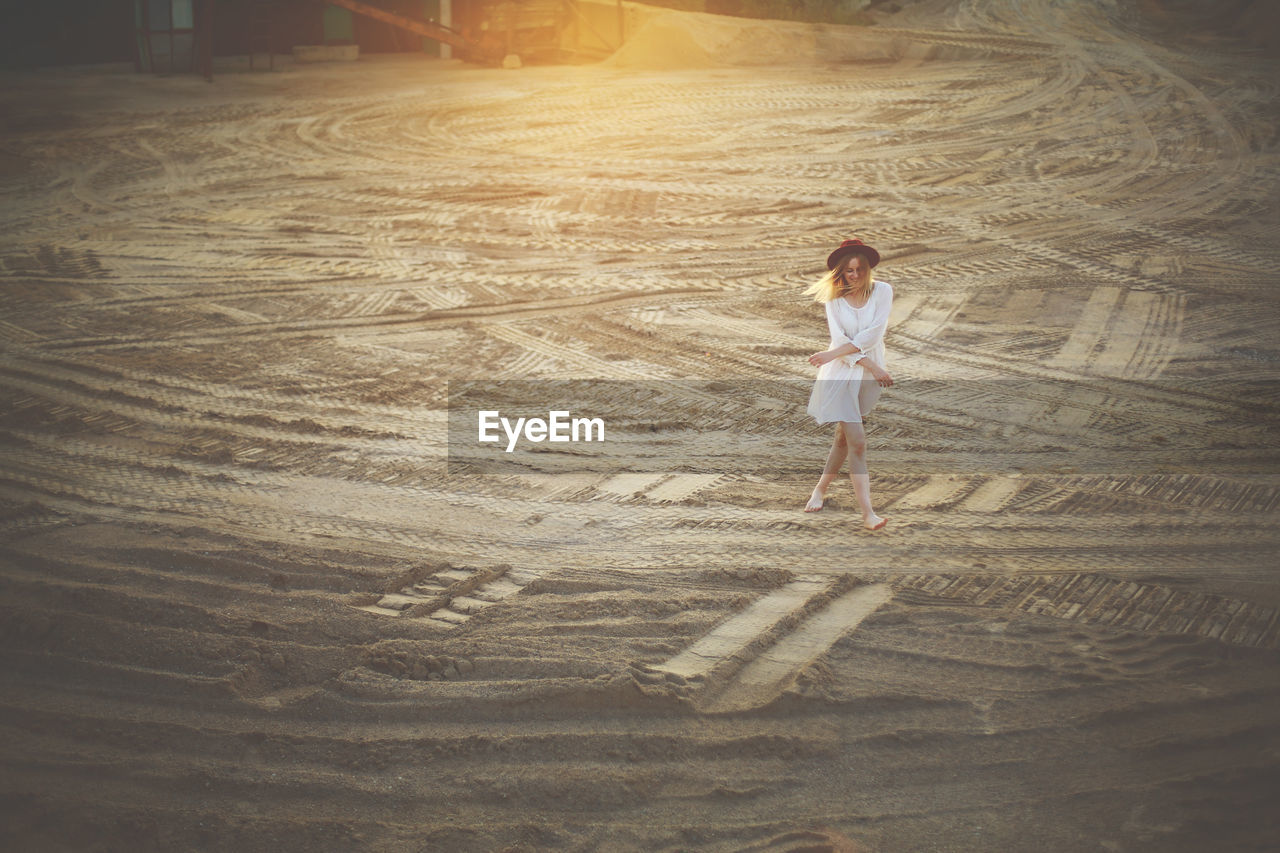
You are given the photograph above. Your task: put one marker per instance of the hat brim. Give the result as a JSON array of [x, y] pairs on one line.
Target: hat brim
[[872, 256]]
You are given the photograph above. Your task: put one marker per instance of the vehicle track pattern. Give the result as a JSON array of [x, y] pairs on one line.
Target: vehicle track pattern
[[248, 601]]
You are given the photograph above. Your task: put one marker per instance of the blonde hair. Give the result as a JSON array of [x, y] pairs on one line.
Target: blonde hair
[[833, 284]]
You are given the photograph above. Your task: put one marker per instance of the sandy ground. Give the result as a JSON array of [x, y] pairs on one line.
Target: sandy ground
[[247, 604]]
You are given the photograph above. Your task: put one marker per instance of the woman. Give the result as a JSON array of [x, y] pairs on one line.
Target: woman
[[851, 371]]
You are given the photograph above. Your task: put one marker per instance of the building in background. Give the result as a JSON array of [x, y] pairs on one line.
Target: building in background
[[183, 36]]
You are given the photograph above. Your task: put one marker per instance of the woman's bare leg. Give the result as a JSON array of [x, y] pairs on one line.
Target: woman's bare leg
[[835, 459], [856, 439]]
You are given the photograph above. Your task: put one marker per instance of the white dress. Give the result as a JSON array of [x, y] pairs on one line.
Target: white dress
[[844, 389]]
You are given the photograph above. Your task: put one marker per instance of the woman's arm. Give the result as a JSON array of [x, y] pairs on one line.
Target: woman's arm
[[841, 345], [869, 338], [877, 372], [819, 358], [838, 337], [872, 336], [864, 340]]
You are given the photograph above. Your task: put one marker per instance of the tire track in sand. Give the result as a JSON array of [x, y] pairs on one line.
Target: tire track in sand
[[751, 658]]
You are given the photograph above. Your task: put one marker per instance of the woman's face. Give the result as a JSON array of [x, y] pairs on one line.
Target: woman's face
[[854, 269]]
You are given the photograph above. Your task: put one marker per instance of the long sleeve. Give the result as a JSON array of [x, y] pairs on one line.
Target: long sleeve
[[869, 338], [838, 337]]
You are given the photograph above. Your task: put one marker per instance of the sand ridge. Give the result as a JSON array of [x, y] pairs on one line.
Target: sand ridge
[[249, 604]]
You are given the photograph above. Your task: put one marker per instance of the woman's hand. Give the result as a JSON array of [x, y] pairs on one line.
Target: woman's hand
[[881, 375], [820, 358]]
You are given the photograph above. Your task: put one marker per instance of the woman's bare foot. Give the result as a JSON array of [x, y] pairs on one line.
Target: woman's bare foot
[[815, 500], [874, 522]]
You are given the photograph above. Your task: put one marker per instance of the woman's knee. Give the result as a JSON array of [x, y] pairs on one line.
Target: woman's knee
[[853, 437]]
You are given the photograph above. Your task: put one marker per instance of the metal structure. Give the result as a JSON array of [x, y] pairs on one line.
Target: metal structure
[[542, 28], [413, 25], [176, 36], [173, 36], [502, 27], [262, 31]]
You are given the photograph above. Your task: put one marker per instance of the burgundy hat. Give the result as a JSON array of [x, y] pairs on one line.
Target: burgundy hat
[[851, 247]]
